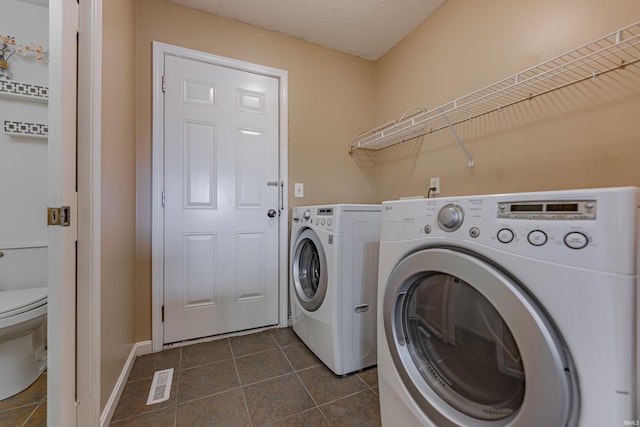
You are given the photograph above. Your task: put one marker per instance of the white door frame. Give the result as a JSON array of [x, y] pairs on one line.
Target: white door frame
[[88, 328], [157, 229]]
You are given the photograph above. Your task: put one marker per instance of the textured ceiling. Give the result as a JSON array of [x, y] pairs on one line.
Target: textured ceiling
[[365, 28]]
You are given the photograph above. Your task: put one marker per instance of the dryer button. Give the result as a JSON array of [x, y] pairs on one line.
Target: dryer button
[[505, 235], [576, 240], [322, 221], [329, 222], [537, 238], [474, 232], [317, 221]]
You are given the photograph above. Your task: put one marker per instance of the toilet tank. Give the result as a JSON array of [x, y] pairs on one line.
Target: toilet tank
[[23, 268]]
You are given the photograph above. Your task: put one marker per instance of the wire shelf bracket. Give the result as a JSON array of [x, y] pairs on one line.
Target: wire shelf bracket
[[455, 135], [612, 52]]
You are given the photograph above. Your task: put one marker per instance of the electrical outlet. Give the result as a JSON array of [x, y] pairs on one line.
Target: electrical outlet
[[298, 189], [435, 183]]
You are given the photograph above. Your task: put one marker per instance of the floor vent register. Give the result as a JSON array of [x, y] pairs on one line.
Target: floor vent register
[[160, 387]]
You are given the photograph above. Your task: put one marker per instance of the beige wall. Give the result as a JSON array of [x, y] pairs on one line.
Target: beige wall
[[584, 136], [580, 137], [118, 191], [330, 99]]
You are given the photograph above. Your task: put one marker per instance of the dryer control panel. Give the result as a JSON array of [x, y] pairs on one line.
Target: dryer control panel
[[592, 228]]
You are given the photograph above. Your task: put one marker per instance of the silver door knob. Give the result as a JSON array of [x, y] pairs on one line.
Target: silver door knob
[[271, 213]]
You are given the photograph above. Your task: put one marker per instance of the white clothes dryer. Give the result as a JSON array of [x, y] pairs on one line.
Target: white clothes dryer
[[333, 278], [510, 310]]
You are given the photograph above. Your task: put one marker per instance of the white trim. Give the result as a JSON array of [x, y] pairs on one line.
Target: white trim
[[61, 312], [139, 349], [157, 217], [88, 326]]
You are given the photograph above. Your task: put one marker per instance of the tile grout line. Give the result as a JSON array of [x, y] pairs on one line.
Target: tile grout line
[[346, 396], [306, 389], [175, 410], [31, 414], [217, 393], [244, 396], [295, 371]]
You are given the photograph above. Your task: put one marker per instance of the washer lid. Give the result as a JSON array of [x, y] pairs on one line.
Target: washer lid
[[19, 301]]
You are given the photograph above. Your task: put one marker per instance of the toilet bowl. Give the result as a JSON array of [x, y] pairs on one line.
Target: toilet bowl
[[23, 355]]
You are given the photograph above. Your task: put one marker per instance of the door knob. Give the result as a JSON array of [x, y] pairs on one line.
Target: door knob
[[271, 213]]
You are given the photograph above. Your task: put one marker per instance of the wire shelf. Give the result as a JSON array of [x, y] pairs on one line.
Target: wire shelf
[[612, 52]]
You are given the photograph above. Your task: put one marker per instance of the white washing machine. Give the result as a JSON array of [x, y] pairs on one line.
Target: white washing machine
[[334, 268], [510, 310]]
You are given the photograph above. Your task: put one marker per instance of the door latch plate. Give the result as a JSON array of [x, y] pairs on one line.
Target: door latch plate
[[59, 216]]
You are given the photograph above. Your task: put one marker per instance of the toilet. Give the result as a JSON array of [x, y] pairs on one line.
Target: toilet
[[23, 355]]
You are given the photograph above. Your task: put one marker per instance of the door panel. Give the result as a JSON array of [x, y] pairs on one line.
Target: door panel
[[220, 153], [200, 166]]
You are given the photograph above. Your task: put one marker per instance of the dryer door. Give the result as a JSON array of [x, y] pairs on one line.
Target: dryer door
[[309, 270], [472, 347]]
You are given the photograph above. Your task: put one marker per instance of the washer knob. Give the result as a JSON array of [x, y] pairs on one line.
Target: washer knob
[[307, 215], [450, 217]]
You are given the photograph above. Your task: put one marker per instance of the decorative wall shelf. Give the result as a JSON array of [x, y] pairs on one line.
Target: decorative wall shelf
[[25, 91], [32, 130], [612, 52]]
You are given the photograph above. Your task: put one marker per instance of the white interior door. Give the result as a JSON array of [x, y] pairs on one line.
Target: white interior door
[[221, 199]]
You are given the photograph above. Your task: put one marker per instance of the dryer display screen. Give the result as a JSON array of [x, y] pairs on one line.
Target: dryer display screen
[[526, 208], [562, 207], [552, 210]]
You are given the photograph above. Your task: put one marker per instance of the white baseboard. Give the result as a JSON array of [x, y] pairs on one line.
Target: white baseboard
[[138, 349]]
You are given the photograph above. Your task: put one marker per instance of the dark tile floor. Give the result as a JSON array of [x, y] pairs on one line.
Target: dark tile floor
[[266, 378], [28, 408]]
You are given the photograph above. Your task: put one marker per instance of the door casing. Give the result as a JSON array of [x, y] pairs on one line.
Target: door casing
[[157, 229]]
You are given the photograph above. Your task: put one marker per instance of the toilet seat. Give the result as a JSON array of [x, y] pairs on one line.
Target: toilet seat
[[19, 301]]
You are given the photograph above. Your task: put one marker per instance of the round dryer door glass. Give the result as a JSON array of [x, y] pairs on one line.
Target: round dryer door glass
[[462, 347], [309, 270]]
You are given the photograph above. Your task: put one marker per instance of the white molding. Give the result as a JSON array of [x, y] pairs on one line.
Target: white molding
[[157, 283], [88, 326], [61, 313], [157, 216], [139, 349], [23, 244]]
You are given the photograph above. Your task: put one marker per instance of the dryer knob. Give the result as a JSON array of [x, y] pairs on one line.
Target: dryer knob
[[307, 215], [450, 217]]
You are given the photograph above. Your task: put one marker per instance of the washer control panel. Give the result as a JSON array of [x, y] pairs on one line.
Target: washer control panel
[[321, 217]]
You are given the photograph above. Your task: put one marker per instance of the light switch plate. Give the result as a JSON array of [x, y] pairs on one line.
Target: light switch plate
[[298, 189]]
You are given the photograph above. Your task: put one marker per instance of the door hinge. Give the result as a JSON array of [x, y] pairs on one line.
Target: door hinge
[[164, 84], [162, 313], [59, 216], [163, 198]]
